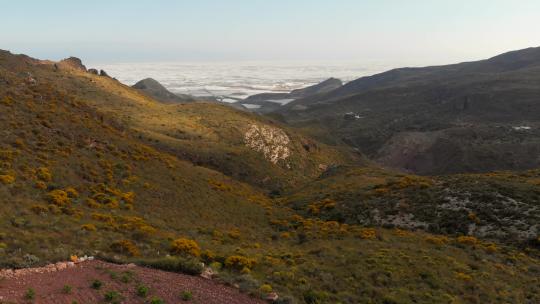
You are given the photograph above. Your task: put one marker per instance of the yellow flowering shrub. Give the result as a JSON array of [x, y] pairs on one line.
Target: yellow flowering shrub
[[91, 203], [125, 247], [239, 262], [71, 192], [185, 246], [7, 179], [58, 197], [41, 185], [367, 233], [437, 240], [467, 240], [266, 288], [208, 255], [103, 218], [44, 174], [38, 209], [89, 227], [463, 276]]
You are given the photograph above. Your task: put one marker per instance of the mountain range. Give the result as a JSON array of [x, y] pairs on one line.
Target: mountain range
[[468, 117]]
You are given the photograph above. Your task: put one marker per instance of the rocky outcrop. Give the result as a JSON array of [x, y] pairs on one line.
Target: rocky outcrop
[[156, 90], [93, 71], [272, 142], [72, 63]]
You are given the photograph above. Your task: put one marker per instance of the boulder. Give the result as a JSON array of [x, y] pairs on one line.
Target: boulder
[[272, 297], [93, 71], [208, 273]]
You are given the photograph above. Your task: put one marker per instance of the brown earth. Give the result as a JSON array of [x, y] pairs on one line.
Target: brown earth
[[124, 279]]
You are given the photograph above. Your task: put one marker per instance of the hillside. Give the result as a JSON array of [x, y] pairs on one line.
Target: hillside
[[89, 166], [270, 102], [241, 145], [503, 206], [468, 117]]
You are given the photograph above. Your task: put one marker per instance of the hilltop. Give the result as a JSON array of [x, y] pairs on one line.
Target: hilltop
[[269, 102], [154, 89]]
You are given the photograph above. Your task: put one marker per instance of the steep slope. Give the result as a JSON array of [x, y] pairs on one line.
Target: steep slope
[[468, 117], [73, 178], [154, 89], [241, 145]]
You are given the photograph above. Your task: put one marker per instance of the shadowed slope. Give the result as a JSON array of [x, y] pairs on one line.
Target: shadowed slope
[[468, 117]]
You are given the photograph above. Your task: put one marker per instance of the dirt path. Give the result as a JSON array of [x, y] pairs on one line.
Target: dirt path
[[123, 279]]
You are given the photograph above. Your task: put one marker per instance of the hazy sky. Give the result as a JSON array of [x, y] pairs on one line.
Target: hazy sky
[[408, 31]]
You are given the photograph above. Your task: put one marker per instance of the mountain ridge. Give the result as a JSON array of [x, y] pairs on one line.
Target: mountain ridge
[[466, 112]]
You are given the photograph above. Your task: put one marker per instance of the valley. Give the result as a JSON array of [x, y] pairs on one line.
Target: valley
[[309, 202]]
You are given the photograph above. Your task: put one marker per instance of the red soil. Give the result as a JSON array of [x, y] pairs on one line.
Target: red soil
[[165, 285]]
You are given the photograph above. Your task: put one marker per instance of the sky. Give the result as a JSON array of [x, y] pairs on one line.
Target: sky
[[419, 32]]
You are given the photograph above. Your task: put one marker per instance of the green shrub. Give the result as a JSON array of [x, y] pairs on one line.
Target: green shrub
[[67, 289], [30, 294], [314, 297], [142, 291], [126, 277], [186, 295], [96, 284], [112, 296], [156, 300]]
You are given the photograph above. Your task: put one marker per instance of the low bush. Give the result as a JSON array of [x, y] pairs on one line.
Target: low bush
[[316, 297], [39, 209], [239, 262], [186, 295], [174, 264], [96, 284], [88, 227], [125, 247], [467, 240], [112, 296], [156, 300], [186, 247], [367, 233], [67, 289], [58, 197], [7, 179], [30, 294], [142, 291], [44, 174]]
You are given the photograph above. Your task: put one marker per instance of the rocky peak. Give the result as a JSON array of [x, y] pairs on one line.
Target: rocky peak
[[74, 63]]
